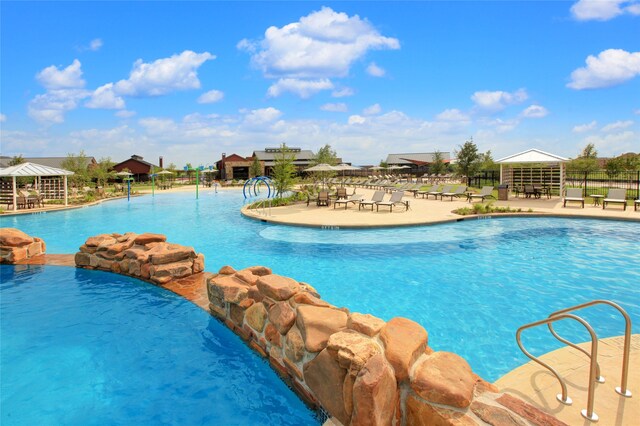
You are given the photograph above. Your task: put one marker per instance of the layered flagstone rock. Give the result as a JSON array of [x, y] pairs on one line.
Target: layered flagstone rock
[[16, 246]]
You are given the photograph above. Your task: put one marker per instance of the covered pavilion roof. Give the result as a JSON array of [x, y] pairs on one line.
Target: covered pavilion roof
[[532, 156], [33, 169]]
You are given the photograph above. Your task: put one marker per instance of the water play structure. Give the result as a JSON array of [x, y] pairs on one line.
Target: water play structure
[[252, 186]]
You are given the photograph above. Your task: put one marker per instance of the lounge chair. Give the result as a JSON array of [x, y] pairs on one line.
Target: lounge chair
[[426, 191], [616, 196], [341, 193], [396, 198], [377, 197], [323, 198], [485, 192], [530, 190], [636, 203], [460, 191], [354, 198], [573, 194], [446, 188]]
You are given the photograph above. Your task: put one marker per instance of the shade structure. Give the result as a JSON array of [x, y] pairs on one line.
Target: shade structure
[[164, 172], [532, 157], [343, 167], [31, 170], [124, 174], [322, 167]]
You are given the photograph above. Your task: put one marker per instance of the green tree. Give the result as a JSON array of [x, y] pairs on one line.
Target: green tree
[[437, 165], [587, 160], [283, 172], [487, 163], [614, 166], [78, 165], [468, 159], [18, 159], [630, 162], [256, 167], [103, 171], [325, 155]]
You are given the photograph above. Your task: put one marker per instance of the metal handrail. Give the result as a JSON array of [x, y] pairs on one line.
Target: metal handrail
[[564, 398], [263, 204], [622, 389]]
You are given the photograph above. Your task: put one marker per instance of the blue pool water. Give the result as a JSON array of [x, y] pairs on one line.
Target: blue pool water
[[86, 347], [470, 284]]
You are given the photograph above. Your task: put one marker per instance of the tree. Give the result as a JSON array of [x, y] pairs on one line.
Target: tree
[[437, 166], [614, 166], [256, 167], [78, 165], [18, 159], [325, 155], [283, 172], [468, 159], [103, 171], [586, 162], [487, 163]]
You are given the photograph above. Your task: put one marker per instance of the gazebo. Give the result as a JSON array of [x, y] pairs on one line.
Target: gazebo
[[533, 167], [39, 171]]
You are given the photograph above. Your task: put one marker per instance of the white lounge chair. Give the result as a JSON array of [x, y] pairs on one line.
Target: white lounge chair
[[573, 194], [616, 196]]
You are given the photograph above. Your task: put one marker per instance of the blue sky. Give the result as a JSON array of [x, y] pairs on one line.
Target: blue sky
[[191, 80]]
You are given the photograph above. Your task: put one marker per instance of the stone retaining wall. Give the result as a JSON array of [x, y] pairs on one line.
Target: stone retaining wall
[[359, 368], [16, 246], [145, 256]]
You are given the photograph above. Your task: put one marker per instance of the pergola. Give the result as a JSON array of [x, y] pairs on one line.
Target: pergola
[[34, 170], [537, 167]]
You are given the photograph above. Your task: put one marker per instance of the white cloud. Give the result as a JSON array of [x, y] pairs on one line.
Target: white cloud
[[498, 100], [356, 119], [262, 116], [618, 125], [105, 98], [613, 144], [166, 75], [303, 88], [95, 44], [51, 106], [210, 97], [452, 115], [158, 126], [610, 68], [581, 128], [3, 118], [603, 10], [375, 70], [374, 109], [342, 92], [637, 111], [125, 113], [502, 126], [322, 44], [334, 107], [53, 78], [535, 111]]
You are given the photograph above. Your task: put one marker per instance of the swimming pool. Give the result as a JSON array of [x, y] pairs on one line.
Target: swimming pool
[[89, 347], [470, 284]]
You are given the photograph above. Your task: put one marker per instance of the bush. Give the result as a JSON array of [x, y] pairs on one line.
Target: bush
[[488, 208]]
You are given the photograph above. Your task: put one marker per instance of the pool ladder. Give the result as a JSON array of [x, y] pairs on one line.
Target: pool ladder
[[261, 208], [594, 368]]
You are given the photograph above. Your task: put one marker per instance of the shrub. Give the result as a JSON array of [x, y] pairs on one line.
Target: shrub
[[488, 208]]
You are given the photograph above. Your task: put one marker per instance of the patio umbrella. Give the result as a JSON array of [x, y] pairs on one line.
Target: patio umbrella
[[126, 176], [345, 166], [322, 167]]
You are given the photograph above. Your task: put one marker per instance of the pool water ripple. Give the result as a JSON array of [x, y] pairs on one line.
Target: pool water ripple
[[470, 284]]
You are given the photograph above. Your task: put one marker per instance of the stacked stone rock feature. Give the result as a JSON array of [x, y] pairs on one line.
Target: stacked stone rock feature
[[146, 256], [16, 246], [360, 369]]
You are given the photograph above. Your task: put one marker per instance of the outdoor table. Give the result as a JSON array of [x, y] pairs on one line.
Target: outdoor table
[[596, 199]]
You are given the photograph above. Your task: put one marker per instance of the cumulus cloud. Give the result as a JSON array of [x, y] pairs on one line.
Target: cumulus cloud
[[50, 107], [498, 100], [53, 78], [320, 46], [356, 119], [613, 144], [166, 75], [210, 97], [581, 128], [105, 98], [155, 125], [3, 118], [334, 107], [618, 125], [603, 10], [342, 92], [375, 70], [262, 115], [303, 88], [611, 67], [372, 110], [535, 111], [452, 115], [125, 113]]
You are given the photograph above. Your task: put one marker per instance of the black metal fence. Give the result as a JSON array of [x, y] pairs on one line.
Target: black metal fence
[[484, 178], [598, 183]]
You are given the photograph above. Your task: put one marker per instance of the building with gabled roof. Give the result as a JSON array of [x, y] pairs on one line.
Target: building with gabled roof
[[136, 165], [55, 162], [418, 162]]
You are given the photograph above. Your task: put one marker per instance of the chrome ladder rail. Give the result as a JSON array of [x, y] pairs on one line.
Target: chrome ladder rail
[[563, 397], [622, 389]]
